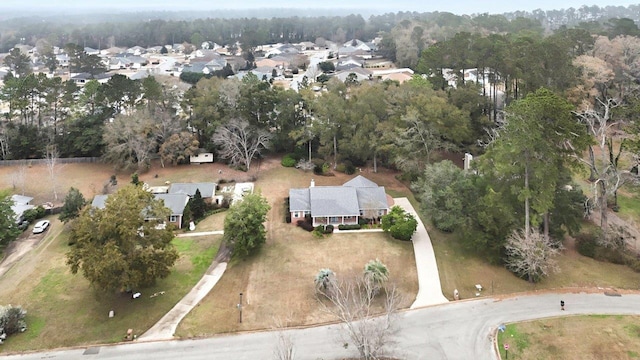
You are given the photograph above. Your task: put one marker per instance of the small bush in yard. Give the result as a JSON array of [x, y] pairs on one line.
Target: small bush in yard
[[11, 320], [288, 161], [305, 225], [328, 229], [399, 223], [586, 244], [34, 214]]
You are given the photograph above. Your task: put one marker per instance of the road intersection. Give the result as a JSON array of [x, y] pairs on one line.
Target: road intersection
[[456, 330]]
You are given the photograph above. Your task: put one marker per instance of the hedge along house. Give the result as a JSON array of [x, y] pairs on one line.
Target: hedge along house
[[336, 205]]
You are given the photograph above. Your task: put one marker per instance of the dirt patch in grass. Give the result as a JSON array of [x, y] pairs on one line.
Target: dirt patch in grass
[[577, 337]]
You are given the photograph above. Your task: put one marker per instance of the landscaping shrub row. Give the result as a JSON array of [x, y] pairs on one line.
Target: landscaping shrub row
[[322, 229], [350, 227], [305, 225]]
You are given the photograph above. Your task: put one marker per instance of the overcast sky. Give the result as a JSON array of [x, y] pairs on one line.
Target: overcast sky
[[455, 6]]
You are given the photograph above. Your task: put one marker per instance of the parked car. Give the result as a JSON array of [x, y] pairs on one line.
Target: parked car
[[41, 226]]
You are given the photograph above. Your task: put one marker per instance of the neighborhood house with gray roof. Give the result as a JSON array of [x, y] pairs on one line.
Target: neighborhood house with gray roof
[[336, 205]]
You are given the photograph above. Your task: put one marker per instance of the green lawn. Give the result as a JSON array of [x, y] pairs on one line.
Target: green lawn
[[63, 309], [629, 206], [575, 337]]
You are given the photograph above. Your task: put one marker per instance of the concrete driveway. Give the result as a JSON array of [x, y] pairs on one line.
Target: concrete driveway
[[430, 290]]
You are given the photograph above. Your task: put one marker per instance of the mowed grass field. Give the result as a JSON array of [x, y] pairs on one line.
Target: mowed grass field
[[573, 338]]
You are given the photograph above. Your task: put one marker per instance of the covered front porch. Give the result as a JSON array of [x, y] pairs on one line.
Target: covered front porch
[[335, 220]]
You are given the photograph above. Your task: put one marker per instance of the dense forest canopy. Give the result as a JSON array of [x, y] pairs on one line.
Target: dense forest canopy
[[226, 27]]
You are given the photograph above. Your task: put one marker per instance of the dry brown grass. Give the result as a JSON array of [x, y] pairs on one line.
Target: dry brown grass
[[574, 338], [462, 269], [277, 283], [90, 178]]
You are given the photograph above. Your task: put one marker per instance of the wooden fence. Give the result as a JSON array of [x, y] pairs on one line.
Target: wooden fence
[[44, 161]]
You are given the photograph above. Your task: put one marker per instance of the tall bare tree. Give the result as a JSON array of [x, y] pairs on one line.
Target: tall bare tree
[[239, 142], [606, 177], [283, 349], [368, 321], [19, 178], [51, 159]]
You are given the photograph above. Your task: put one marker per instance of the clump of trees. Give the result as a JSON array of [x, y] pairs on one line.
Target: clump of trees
[[399, 223], [244, 230], [9, 230], [73, 203], [122, 247]]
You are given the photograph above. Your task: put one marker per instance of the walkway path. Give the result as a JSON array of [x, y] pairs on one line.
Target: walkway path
[[202, 233], [166, 327], [429, 288]]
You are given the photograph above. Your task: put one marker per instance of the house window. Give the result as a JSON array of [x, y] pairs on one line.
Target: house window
[[173, 218], [334, 219], [381, 212]]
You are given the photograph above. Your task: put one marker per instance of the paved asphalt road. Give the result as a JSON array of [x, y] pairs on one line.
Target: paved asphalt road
[[458, 330]]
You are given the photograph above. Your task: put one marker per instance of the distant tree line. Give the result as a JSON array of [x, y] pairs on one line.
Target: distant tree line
[[102, 31]]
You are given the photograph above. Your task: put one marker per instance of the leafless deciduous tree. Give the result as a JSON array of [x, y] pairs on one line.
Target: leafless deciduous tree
[[51, 158], [284, 349], [531, 256], [19, 177], [606, 177], [4, 146], [239, 142], [368, 320], [130, 140]]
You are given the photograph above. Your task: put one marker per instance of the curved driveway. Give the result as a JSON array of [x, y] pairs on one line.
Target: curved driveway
[[457, 330], [429, 288]]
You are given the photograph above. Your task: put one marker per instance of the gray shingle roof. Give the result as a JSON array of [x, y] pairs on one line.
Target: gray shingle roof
[[207, 190], [299, 200], [360, 181], [21, 199], [333, 201], [175, 202], [356, 194], [99, 201], [372, 198]]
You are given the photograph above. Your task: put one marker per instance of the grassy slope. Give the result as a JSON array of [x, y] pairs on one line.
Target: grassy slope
[[63, 310]]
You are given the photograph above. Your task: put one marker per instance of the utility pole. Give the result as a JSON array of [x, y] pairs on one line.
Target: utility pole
[[240, 308]]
